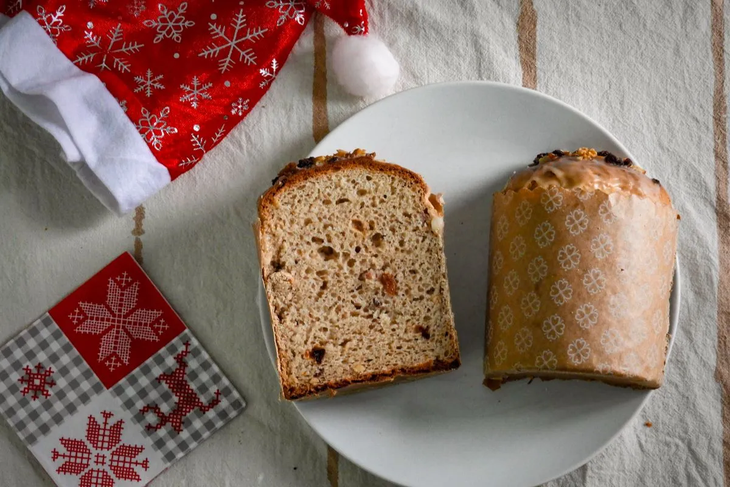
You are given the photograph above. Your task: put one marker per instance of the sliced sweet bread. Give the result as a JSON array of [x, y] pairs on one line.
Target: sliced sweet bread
[[352, 260]]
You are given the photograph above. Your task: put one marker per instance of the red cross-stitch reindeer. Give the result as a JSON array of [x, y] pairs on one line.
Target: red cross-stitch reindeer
[[187, 399]]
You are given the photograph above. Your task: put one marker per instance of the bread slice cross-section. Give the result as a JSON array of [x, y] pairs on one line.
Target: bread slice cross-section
[[352, 260]]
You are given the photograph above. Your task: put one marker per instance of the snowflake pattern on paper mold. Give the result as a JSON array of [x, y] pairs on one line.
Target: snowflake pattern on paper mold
[[569, 257], [588, 268], [553, 327]]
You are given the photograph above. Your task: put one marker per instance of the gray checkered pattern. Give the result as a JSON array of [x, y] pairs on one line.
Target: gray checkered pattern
[[76, 385], [141, 388]]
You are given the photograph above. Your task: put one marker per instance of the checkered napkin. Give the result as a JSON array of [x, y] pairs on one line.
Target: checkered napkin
[[109, 388]]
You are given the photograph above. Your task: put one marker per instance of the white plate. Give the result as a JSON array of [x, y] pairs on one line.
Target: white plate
[[466, 139]]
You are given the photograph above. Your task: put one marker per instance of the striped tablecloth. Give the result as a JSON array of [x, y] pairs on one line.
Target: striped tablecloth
[[653, 73]]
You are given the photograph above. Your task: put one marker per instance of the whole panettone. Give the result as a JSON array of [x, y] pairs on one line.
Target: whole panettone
[[582, 254]]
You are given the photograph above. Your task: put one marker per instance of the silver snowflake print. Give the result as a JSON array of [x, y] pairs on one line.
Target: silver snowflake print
[[288, 9], [14, 6], [115, 53], [148, 82], [170, 23], [199, 145], [136, 7], [154, 127], [228, 45], [94, 3], [52, 22], [358, 29], [195, 91], [269, 74], [122, 104], [239, 107], [323, 4]]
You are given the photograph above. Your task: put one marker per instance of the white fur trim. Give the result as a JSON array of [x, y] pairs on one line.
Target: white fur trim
[[98, 139]]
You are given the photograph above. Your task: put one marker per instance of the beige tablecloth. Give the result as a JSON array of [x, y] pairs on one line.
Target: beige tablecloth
[[651, 72]]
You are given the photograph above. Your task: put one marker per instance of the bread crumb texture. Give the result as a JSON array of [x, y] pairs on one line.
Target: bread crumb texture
[[355, 275]]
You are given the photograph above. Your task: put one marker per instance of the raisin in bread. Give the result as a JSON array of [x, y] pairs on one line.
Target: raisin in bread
[[352, 260]]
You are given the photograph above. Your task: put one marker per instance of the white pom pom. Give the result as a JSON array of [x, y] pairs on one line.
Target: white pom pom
[[364, 66]]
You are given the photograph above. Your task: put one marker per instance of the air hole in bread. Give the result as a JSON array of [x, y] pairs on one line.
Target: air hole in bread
[[425, 333], [317, 354], [328, 252], [358, 225], [317, 240], [377, 239], [362, 192], [342, 200]]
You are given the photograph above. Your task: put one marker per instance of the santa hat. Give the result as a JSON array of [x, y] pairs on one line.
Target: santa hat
[[113, 81]]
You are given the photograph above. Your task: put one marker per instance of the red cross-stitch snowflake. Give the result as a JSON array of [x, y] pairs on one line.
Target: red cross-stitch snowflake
[[37, 382], [118, 321], [100, 458]]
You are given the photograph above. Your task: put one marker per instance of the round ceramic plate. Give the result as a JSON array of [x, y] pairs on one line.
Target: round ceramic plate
[[466, 139]]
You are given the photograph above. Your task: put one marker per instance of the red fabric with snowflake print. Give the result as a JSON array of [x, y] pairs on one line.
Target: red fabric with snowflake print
[[184, 72]]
